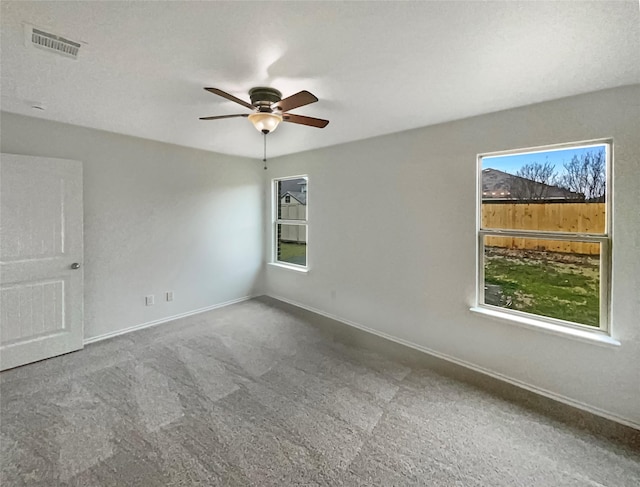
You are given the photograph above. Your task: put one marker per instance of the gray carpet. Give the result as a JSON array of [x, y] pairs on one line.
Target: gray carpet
[[254, 394]]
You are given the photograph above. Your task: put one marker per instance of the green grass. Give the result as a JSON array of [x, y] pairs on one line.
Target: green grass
[[541, 285], [293, 253]]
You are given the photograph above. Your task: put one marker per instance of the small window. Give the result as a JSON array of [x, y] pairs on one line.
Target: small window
[[290, 221], [543, 236]]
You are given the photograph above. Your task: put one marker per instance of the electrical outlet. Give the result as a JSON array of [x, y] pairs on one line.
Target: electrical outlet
[[149, 301], [169, 295]]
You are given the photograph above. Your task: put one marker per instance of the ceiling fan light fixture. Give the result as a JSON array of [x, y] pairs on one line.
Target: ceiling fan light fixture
[[265, 122]]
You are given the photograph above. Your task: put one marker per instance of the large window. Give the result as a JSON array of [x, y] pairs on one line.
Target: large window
[[543, 234], [290, 221]]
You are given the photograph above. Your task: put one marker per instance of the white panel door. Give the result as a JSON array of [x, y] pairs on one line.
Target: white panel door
[[41, 308]]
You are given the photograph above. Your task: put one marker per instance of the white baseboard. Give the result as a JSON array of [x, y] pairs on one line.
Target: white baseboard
[[469, 365], [148, 324]]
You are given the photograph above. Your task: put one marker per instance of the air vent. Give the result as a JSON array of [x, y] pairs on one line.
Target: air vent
[[51, 42]]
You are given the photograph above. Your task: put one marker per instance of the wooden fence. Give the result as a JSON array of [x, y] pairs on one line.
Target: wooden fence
[[293, 210], [557, 217]]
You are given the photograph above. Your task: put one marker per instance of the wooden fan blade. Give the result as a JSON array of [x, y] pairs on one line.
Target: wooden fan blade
[[224, 116], [294, 101], [226, 95], [302, 120]]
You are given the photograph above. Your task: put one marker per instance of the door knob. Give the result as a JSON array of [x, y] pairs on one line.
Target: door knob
[[75, 265]]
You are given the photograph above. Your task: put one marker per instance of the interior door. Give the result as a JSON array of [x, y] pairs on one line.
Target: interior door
[[41, 275]]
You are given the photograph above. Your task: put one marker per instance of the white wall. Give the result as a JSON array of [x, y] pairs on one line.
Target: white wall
[[157, 217], [402, 261]]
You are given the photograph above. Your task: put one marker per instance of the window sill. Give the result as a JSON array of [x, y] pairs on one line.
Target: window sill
[[593, 337], [295, 268]]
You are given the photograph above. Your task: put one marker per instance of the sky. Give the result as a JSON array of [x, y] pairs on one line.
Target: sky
[[511, 163]]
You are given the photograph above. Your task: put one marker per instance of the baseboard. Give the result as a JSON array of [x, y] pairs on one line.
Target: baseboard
[[163, 320], [468, 365]]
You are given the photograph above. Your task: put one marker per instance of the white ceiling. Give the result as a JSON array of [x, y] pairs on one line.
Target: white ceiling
[[377, 67]]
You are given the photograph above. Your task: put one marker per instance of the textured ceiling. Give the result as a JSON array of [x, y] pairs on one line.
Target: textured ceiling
[[377, 67]]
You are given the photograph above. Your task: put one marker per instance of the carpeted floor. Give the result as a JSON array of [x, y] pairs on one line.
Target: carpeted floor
[[255, 395]]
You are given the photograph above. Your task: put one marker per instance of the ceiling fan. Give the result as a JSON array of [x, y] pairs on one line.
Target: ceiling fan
[[269, 108]]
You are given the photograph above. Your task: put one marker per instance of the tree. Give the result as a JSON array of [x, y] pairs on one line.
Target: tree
[[533, 181], [586, 175]]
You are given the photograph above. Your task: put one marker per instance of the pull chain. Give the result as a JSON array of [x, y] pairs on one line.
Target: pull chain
[[265, 152]]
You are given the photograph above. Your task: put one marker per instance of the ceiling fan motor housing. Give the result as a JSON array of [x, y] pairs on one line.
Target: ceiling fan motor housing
[[263, 97]]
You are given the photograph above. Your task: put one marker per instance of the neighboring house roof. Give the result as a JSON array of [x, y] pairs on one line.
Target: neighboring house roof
[[291, 185], [499, 185], [297, 195]]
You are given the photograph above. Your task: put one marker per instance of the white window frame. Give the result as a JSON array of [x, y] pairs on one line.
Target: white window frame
[[275, 199], [553, 324]]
